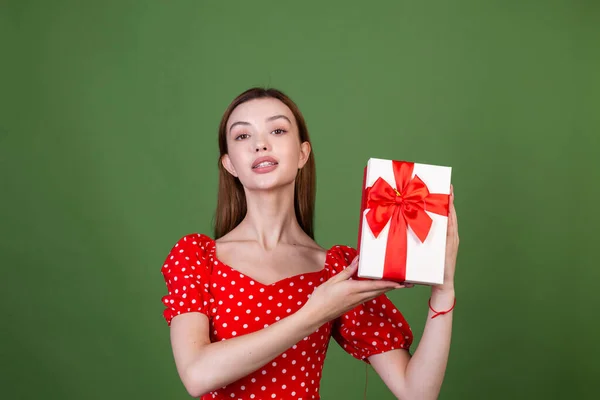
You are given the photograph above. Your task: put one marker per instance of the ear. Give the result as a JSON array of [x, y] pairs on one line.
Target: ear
[[304, 153], [226, 162]]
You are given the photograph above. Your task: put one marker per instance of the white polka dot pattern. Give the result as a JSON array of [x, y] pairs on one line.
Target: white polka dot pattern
[[236, 305]]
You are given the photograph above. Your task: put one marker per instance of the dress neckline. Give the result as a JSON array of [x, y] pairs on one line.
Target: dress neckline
[[302, 275]]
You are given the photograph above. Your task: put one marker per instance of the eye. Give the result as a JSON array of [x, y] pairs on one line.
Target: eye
[[241, 136], [279, 131]]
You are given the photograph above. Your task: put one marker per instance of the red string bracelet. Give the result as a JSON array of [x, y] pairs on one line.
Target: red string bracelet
[[438, 313]]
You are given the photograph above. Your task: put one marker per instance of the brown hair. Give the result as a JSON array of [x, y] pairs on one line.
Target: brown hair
[[231, 201]]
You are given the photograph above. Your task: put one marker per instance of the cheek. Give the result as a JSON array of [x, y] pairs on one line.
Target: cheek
[[292, 151], [237, 162], [237, 157], [293, 162]]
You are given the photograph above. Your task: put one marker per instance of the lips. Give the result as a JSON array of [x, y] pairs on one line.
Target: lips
[[264, 162]]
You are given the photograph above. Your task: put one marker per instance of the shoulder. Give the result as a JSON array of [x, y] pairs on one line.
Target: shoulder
[[189, 249], [187, 273], [340, 256], [193, 242]]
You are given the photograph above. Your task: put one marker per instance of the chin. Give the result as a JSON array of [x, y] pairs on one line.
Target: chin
[[264, 186], [268, 182]]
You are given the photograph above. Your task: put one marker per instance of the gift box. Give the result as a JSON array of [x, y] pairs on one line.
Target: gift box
[[403, 221]]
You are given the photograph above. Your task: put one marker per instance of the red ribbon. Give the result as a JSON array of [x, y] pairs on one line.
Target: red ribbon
[[405, 206]]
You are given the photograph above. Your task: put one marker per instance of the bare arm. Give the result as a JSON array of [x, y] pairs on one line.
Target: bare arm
[[204, 366], [421, 376]]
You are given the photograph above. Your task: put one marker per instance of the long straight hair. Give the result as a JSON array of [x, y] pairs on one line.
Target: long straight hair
[[231, 201]]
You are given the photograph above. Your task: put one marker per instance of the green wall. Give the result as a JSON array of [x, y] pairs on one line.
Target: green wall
[[108, 152]]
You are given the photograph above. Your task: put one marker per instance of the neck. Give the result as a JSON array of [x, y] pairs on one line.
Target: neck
[[271, 218]]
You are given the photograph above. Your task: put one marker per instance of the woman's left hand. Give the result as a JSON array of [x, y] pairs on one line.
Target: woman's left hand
[[451, 247]]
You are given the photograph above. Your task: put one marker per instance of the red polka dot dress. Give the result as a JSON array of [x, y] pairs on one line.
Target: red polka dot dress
[[236, 305]]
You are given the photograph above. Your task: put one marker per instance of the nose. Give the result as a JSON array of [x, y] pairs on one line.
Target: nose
[[261, 143]]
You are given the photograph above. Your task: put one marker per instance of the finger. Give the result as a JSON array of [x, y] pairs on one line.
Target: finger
[[378, 292], [450, 204], [454, 208], [369, 285], [368, 296], [455, 217], [398, 285], [454, 220], [347, 272], [451, 219]]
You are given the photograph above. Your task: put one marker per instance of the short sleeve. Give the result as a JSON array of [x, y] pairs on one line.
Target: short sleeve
[[187, 276], [373, 327]]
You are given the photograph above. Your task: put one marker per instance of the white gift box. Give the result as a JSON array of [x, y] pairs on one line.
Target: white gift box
[[424, 260]]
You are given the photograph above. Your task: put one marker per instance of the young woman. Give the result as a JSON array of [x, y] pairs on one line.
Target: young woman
[[251, 311]]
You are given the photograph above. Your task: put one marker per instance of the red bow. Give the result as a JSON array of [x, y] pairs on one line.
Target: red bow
[[405, 205]]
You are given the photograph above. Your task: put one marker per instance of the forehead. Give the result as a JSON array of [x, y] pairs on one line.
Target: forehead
[[258, 110]]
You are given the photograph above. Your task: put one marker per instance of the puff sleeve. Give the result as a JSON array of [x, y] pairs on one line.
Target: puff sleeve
[[186, 272], [373, 327]]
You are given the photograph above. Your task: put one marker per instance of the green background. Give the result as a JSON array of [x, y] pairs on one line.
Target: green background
[[108, 124]]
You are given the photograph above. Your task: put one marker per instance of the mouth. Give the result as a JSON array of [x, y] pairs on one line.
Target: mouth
[[264, 162]]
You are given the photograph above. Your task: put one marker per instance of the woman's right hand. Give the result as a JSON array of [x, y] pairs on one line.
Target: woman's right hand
[[341, 294]]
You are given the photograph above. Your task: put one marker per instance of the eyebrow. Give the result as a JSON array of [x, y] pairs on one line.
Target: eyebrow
[[273, 118], [278, 117]]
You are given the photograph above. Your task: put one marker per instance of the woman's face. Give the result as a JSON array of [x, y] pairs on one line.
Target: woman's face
[[264, 149]]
